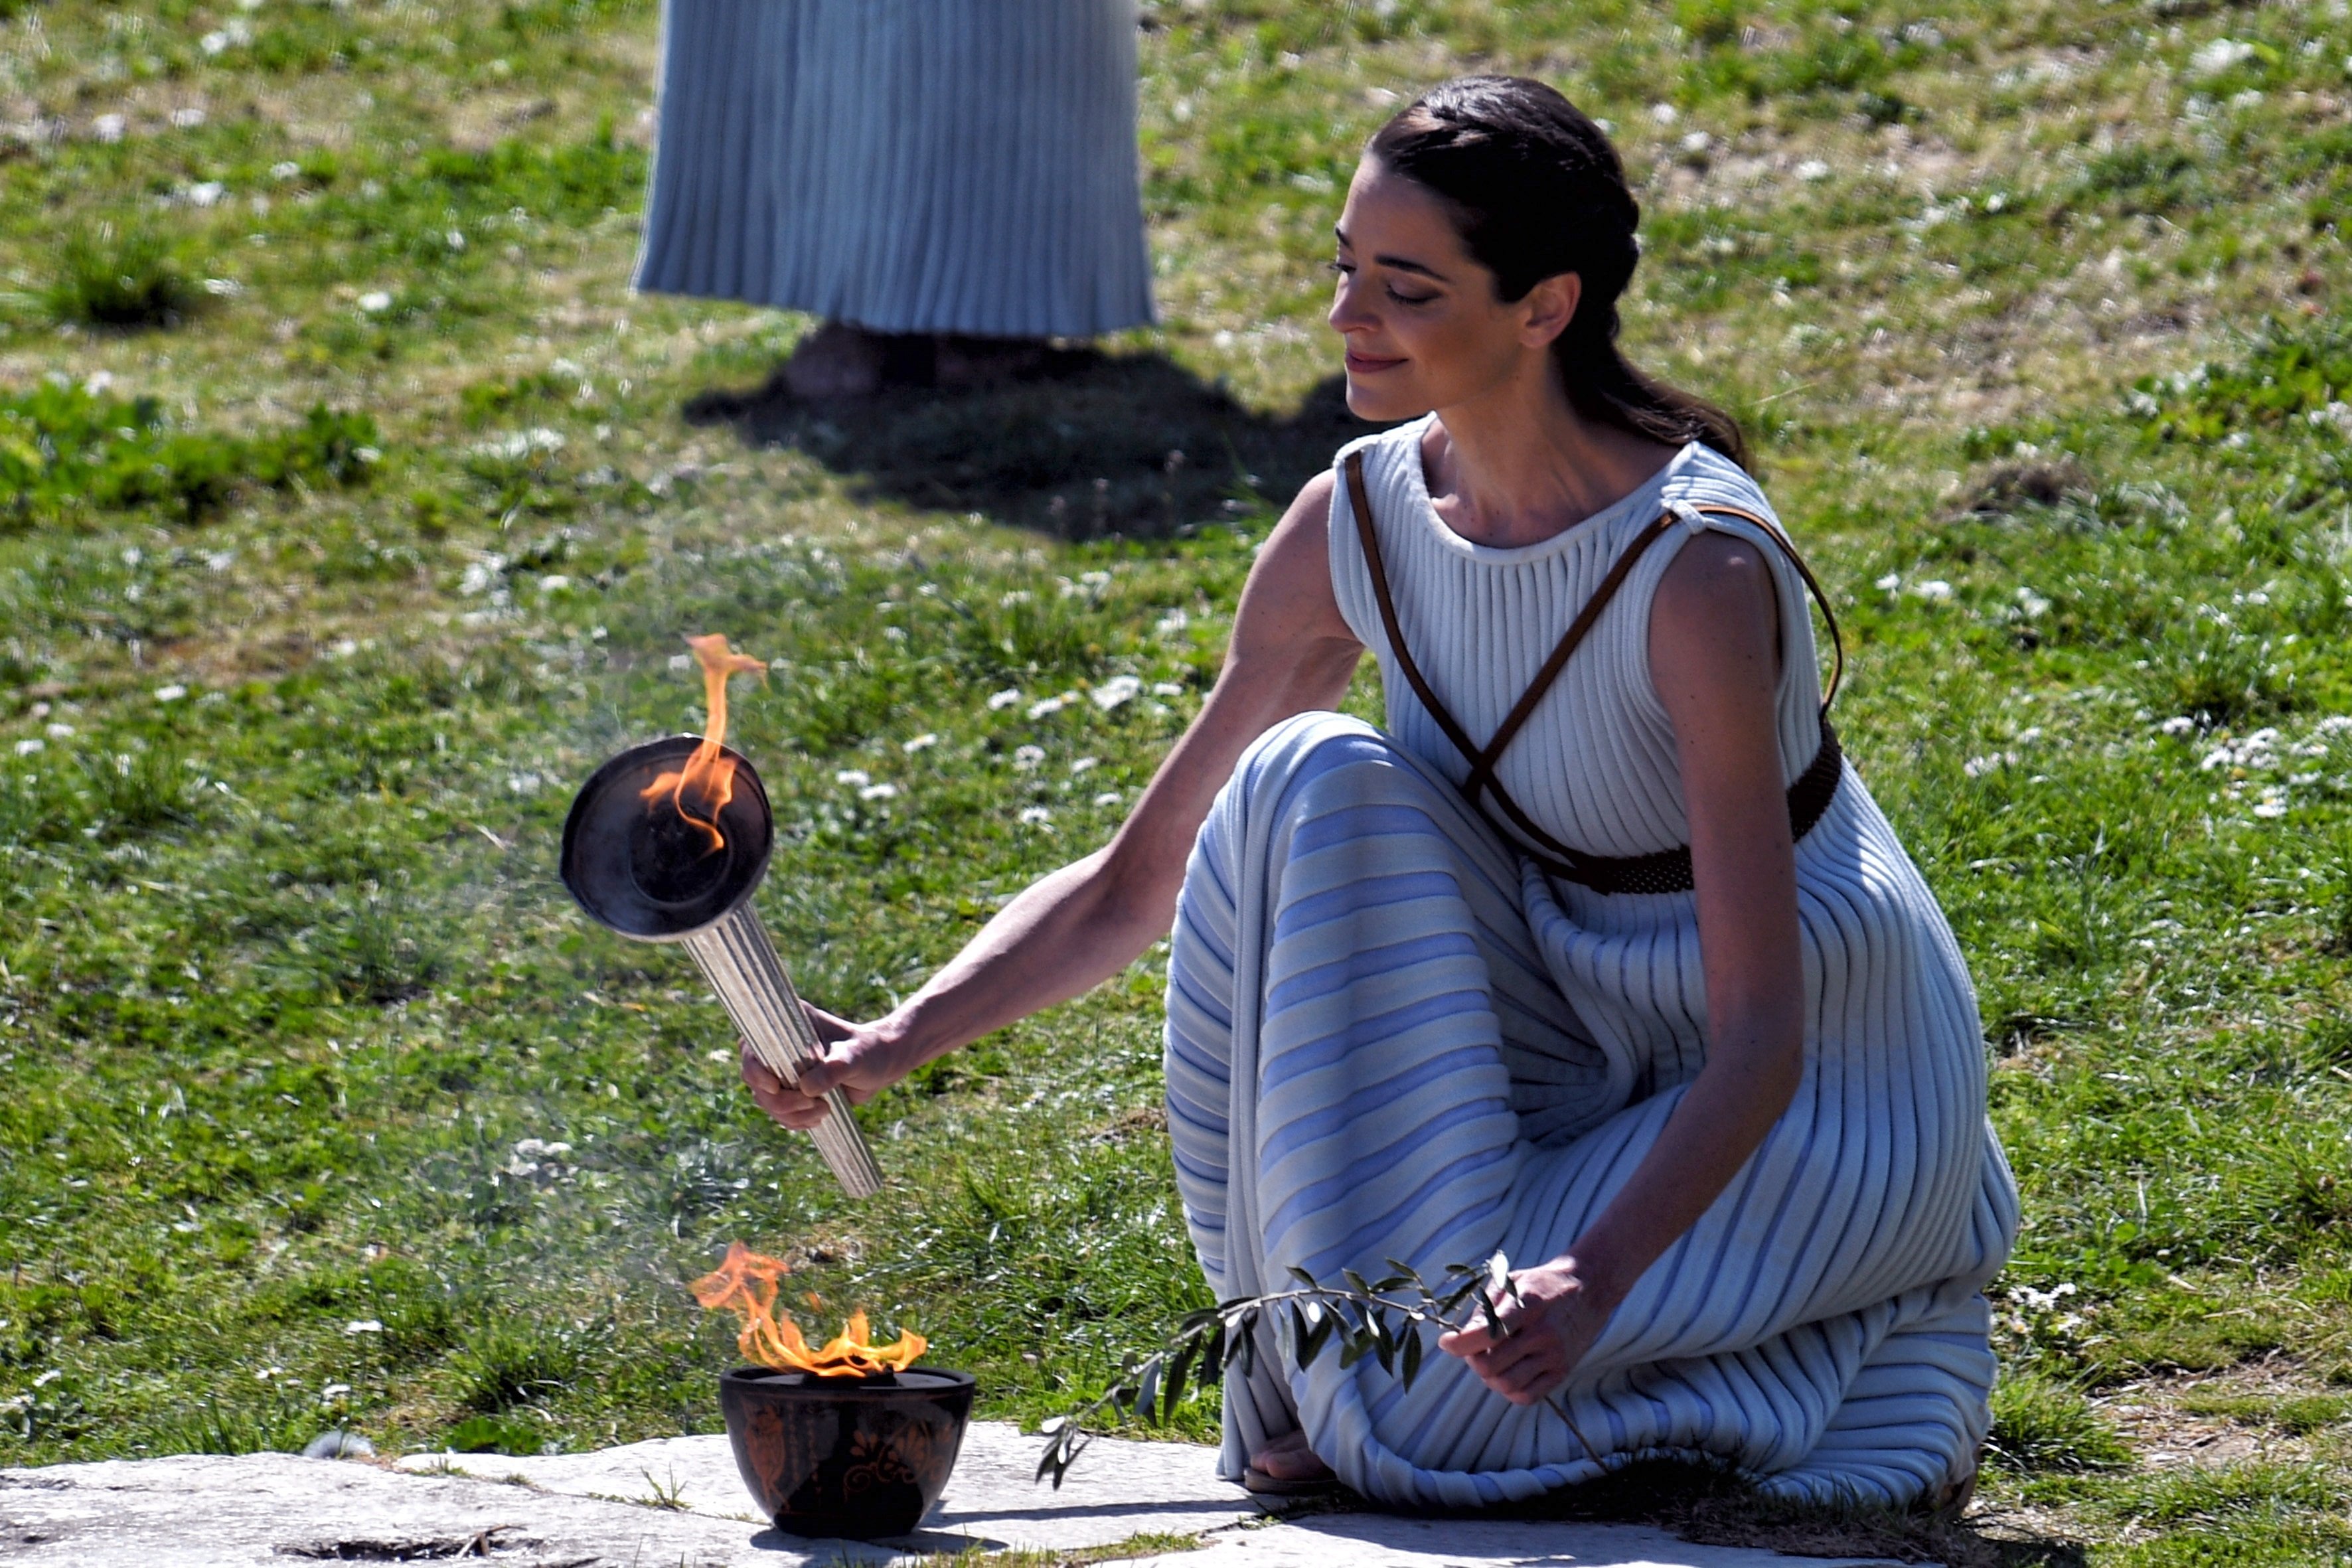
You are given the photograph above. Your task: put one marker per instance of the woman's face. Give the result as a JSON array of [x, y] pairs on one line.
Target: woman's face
[[1422, 326]]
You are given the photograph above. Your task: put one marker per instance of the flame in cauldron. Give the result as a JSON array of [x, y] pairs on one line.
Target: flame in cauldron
[[745, 1283], [708, 776]]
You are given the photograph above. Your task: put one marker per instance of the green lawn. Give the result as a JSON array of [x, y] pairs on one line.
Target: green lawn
[[351, 509]]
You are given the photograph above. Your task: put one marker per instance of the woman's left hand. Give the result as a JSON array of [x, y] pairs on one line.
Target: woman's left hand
[[1547, 1329]]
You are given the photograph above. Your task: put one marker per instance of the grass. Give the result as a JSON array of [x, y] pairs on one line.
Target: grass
[[125, 278], [1150, 1543], [315, 601]]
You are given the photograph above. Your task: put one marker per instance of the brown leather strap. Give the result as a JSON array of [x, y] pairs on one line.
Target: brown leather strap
[[1482, 765], [1669, 870], [1361, 504], [1482, 759], [1665, 870]]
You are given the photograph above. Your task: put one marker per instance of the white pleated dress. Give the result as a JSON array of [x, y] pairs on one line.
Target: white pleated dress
[[907, 166], [1390, 1036]]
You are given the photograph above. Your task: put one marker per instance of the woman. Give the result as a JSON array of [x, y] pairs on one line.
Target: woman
[[948, 186], [1640, 989]]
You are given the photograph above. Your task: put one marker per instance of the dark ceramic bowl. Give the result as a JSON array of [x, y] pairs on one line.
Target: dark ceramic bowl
[[850, 1457]]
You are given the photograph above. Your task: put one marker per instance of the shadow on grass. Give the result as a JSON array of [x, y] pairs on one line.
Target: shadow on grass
[[1091, 446]]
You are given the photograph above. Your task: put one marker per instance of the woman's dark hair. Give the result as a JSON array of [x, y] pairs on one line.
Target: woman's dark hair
[[1536, 190]]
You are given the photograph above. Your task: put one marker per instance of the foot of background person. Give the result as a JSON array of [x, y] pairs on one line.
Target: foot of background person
[[837, 361], [841, 360], [960, 363], [1288, 1458]]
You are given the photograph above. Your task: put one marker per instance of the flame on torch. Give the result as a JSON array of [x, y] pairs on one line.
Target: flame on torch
[[746, 1284], [709, 773]]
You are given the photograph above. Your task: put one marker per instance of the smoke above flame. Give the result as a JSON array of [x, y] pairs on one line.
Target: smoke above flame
[[700, 791], [746, 1284]]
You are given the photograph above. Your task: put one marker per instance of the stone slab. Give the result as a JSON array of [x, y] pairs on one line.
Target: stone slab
[[1119, 1488], [278, 1511], [678, 1503], [1382, 1540]]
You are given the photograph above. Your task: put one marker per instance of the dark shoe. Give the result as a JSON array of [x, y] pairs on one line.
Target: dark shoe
[[1952, 1499], [962, 364], [1257, 1483], [837, 361]]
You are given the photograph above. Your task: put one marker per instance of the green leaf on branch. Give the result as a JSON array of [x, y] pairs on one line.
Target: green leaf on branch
[[1381, 1320], [1146, 1390], [1178, 1372], [1320, 1321]]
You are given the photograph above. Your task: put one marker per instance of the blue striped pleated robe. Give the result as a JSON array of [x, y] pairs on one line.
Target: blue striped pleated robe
[[907, 166], [1390, 1037]]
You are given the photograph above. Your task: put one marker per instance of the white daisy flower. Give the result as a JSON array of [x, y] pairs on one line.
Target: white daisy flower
[[1119, 689]]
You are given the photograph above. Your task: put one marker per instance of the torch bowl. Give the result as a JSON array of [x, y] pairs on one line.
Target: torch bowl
[[854, 1457], [630, 868]]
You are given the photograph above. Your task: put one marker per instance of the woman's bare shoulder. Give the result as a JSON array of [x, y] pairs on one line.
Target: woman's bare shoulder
[[1289, 592], [1715, 574], [1305, 524]]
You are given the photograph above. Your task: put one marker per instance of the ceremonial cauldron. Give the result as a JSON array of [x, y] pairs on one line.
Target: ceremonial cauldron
[[859, 1457]]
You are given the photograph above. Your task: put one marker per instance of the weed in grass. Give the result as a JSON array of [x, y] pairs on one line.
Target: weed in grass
[[2220, 674], [2318, 1187], [221, 1428], [2336, 930], [495, 1434], [122, 275], [141, 790], [2039, 1424], [504, 1363], [2142, 179], [2328, 1042], [34, 807], [1149, 1544], [390, 948]]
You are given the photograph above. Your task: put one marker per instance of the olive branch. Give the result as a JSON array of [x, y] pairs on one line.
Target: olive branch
[[1383, 1318]]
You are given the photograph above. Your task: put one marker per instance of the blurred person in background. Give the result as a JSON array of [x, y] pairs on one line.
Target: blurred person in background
[[946, 186]]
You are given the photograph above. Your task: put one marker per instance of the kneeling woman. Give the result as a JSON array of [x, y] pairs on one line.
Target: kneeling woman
[[1598, 954]]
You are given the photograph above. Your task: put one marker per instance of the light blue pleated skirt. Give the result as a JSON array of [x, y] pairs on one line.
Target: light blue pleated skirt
[[1381, 1043], [907, 166]]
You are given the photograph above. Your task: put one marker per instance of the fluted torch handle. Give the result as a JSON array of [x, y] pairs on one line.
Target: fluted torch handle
[[741, 964]]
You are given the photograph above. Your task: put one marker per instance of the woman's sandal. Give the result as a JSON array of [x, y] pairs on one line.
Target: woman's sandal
[[1263, 1483], [1258, 1483], [1952, 1499]]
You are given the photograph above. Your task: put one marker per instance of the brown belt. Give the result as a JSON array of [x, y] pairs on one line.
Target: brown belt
[[1665, 870]]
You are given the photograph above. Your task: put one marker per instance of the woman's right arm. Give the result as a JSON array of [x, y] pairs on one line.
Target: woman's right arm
[[1291, 652]]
